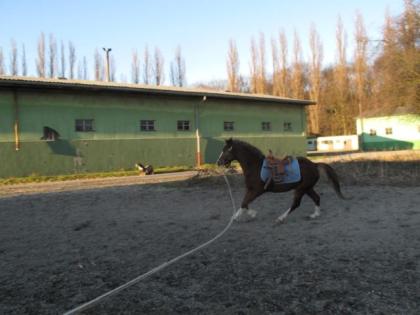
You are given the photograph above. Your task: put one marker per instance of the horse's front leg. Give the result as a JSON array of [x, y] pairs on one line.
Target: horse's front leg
[[250, 195]]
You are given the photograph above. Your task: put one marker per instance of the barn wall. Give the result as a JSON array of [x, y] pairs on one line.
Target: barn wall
[[247, 119], [117, 142], [6, 116]]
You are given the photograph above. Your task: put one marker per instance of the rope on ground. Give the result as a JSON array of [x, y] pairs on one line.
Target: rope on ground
[[97, 300]]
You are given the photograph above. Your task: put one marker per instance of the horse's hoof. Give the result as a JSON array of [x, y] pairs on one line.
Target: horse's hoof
[[313, 216], [238, 214], [252, 214], [237, 219], [245, 219], [279, 221]]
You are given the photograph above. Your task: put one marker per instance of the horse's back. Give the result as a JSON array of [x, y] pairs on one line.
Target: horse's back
[[308, 170], [303, 166]]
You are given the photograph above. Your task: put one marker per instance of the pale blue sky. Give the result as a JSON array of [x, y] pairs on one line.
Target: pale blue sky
[[201, 28]]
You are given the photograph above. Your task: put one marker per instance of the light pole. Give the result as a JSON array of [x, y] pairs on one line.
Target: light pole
[[107, 50]]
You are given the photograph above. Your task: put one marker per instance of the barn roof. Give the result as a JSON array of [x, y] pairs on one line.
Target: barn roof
[[83, 85]]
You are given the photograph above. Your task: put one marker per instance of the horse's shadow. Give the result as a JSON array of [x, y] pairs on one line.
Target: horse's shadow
[[213, 146], [62, 147]]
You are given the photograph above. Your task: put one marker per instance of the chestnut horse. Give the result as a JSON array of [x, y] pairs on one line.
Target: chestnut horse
[[251, 160]]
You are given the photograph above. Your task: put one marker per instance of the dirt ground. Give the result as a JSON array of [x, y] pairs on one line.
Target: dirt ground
[[61, 249]]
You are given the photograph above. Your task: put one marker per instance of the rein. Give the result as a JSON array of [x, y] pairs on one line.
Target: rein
[[128, 284]]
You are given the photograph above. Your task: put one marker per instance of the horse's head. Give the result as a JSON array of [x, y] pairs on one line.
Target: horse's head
[[227, 155]]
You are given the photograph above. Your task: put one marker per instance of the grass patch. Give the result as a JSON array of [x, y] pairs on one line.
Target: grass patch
[[35, 178]]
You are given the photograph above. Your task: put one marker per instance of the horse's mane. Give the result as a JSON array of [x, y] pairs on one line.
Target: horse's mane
[[249, 148]]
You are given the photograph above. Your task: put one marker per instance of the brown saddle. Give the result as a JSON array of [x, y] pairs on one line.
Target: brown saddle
[[277, 168]]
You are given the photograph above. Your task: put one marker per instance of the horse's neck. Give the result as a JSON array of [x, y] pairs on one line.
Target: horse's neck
[[248, 162]]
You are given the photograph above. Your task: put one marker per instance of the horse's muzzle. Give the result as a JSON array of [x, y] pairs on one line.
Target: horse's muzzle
[[224, 163]]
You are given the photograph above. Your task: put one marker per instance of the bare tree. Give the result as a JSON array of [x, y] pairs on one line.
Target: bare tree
[[283, 76], [147, 66], [279, 61], [112, 68], [172, 74], [315, 68], [158, 65], [135, 67], [397, 65], [341, 78], [2, 69], [40, 62], [232, 65], [85, 69], [24, 64], [360, 63], [254, 67], [53, 56], [297, 81], [244, 85], [408, 27], [63, 61], [79, 70], [276, 67], [257, 66], [178, 72], [72, 59], [98, 70], [262, 82], [13, 58]]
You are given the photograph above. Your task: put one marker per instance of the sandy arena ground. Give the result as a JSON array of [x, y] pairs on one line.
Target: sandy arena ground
[[61, 249]]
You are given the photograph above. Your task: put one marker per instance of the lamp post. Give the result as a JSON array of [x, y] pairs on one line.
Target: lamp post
[[107, 50]]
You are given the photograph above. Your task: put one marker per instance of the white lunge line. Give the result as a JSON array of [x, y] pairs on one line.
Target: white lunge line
[[158, 268]]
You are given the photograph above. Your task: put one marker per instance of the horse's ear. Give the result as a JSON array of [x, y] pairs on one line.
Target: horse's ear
[[229, 141]]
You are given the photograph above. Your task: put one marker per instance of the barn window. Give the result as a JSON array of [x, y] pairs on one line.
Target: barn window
[[183, 125], [388, 131], [228, 125], [84, 125], [49, 134], [147, 125], [287, 126], [266, 126], [372, 132]]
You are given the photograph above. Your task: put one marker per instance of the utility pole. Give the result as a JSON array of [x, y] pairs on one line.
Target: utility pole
[[107, 50]]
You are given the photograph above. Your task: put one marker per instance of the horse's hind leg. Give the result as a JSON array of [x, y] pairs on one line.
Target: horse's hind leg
[[296, 203], [316, 199]]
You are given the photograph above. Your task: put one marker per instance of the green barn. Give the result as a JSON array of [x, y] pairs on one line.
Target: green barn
[[58, 126]]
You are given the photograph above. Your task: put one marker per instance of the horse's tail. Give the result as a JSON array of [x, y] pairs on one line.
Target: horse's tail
[[333, 178]]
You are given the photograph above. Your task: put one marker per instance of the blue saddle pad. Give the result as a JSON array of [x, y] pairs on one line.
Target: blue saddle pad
[[292, 173]]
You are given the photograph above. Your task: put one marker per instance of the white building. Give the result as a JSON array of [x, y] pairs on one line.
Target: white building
[[338, 143]]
